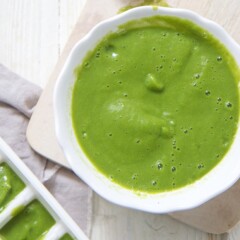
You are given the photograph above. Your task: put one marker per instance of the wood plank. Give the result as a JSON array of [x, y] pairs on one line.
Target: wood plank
[[69, 12], [28, 38], [34, 33], [114, 222]]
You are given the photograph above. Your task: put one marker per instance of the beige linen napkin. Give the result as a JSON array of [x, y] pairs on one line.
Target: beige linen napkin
[[17, 100]]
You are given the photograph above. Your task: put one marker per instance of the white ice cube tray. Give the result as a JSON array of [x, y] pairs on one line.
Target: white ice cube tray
[[35, 190]]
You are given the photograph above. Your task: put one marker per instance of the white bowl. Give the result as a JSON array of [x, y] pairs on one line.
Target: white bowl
[[223, 176]]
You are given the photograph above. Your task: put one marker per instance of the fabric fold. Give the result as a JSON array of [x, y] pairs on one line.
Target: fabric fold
[[18, 98]]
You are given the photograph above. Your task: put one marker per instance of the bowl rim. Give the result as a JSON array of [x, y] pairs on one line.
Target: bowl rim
[[190, 196]]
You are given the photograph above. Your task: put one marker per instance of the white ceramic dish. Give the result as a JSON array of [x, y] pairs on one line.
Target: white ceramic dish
[[223, 176], [35, 190]]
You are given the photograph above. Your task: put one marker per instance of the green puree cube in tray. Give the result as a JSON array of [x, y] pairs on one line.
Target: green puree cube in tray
[[10, 185], [31, 223]]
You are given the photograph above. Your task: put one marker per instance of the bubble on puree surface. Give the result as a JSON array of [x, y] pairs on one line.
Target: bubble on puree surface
[[155, 105]]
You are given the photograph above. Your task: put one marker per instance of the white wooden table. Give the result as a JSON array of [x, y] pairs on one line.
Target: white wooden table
[[32, 36]]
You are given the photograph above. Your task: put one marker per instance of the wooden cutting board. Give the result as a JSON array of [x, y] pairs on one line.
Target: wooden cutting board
[[216, 216]]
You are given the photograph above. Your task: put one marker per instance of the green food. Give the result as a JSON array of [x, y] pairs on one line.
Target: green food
[[30, 224], [66, 237], [156, 104], [153, 3], [17, 210], [10, 185]]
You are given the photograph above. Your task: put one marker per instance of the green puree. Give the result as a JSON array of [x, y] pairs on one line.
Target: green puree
[[10, 185], [66, 237], [155, 105], [30, 224], [153, 3]]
